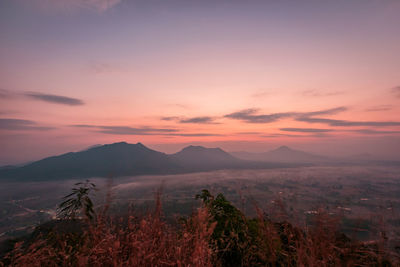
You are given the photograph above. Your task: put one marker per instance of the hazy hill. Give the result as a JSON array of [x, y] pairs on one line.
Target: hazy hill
[[202, 158], [116, 159], [283, 154], [123, 159]]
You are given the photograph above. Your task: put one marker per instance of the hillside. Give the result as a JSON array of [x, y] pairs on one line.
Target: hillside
[[116, 159], [201, 158]]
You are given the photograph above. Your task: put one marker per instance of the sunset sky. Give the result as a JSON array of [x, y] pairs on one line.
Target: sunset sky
[[321, 76]]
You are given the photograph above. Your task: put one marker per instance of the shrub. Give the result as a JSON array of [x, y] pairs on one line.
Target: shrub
[[216, 234]]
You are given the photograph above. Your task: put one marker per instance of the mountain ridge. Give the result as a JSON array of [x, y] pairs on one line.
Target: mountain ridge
[[124, 159]]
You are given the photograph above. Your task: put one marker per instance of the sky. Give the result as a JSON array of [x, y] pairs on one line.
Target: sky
[[322, 76]]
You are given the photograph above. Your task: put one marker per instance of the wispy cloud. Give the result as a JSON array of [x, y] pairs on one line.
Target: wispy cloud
[[171, 118], [72, 5], [253, 116], [248, 133], [123, 130], [330, 111], [306, 130], [347, 123], [49, 98], [126, 130], [201, 120], [195, 120], [321, 93], [194, 134], [277, 135], [55, 99], [322, 131], [380, 108], [373, 132], [18, 124], [98, 5]]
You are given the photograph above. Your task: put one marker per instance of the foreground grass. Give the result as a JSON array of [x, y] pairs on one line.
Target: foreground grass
[[217, 234]]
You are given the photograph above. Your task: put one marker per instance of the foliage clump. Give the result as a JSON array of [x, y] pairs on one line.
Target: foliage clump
[[216, 234], [78, 202]]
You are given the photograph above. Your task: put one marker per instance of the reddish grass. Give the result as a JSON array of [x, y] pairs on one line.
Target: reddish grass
[[149, 241], [146, 241]]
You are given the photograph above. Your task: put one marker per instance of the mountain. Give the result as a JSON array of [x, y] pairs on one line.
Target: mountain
[[202, 158], [283, 154], [123, 159], [116, 159]]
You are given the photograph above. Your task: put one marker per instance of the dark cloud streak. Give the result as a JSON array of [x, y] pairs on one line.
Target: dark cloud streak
[[18, 125], [306, 130], [294, 135], [194, 134], [373, 132], [331, 111], [55, 99], [200, 120], [252, 116], [196, 120], [346, 123], [126, 130], [172, 118]]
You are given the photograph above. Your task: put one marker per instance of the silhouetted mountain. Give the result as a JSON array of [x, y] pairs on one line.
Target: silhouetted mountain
[[123, 159], [202, 158], [283, 154], [92, 146], [116, 159]]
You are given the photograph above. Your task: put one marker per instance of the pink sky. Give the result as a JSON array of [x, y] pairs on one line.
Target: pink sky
[[242, 76]]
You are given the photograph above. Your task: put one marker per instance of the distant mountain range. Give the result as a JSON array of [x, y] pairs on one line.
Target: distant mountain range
[[123, 159]]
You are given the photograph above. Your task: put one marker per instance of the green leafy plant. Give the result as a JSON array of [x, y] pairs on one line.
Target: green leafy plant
[[78, 202], [230, 234]]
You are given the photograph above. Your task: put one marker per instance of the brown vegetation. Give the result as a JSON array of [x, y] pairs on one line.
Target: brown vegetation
[[217, 234]]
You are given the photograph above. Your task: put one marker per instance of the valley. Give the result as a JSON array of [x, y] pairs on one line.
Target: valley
[[366, 200]]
